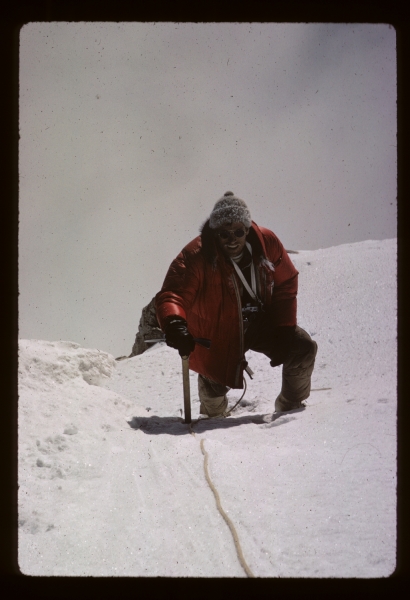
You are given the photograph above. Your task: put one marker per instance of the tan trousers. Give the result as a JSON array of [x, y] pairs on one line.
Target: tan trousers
[[298, 368], [296, 374], [212, 397]]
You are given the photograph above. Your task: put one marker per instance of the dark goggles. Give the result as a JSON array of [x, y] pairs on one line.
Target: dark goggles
[[226, 233]]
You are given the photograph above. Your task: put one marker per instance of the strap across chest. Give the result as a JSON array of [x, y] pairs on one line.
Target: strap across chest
[[251, 291]]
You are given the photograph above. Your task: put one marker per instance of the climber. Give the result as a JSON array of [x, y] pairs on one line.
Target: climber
[[235, 285]]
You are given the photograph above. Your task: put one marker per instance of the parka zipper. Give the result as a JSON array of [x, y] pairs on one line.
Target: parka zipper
[[241, 343]]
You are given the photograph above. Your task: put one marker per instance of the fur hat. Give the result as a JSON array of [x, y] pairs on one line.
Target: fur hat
[[229, 209]]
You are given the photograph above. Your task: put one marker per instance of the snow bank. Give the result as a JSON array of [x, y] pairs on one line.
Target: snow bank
[[43, 364], [62, 412]]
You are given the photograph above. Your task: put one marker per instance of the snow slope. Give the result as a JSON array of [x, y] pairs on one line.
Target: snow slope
[[112, 482]]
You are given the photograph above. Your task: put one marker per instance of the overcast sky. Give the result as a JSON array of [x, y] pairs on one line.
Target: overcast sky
[[130, 132]]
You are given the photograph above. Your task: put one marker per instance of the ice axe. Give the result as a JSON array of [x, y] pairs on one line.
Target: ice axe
[[185, 375]]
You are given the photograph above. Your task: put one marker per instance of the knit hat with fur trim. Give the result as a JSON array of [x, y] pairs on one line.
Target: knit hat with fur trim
[[230, 209]]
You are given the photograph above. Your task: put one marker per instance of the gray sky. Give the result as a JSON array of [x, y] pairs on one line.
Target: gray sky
[[129, 133]]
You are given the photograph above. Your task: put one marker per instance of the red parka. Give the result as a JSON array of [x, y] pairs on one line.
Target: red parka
[[202, 287]]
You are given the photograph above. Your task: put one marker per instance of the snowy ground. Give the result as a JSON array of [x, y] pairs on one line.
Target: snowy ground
[[112, 482]]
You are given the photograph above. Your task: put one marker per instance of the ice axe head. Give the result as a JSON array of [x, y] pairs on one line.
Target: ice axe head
[[203, 342]]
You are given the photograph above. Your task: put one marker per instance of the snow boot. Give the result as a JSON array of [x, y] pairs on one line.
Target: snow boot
[[212, 396], [283, 405]]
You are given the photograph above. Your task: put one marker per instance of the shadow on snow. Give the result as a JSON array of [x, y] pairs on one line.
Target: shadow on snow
[[175, 425]]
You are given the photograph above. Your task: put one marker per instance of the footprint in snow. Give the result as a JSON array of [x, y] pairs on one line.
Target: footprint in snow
[[70, 429]]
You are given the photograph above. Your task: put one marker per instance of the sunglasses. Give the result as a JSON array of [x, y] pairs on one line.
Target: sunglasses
[[226, 233]]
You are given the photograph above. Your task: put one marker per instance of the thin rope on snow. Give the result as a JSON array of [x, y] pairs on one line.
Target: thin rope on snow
[[221, 510]]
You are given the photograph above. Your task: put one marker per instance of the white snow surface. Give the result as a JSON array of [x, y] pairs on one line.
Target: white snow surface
[[111, 481]]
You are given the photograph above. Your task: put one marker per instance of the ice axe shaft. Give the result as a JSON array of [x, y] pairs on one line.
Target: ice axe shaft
[[185, 374], [185, 379], [187, 395]]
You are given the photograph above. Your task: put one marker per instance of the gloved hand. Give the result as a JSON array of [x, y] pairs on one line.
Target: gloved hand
[[177, 336]]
